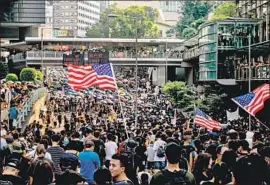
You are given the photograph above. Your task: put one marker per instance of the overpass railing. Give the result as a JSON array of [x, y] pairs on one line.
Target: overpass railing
[[59, 54], [19, 57], [23, 113], [257, 73]]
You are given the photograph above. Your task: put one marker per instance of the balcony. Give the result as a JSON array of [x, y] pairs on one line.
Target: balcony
[[257, 73]]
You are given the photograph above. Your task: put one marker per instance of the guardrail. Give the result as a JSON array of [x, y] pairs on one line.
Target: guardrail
[[59, 54], [27, 105], [257, 73]]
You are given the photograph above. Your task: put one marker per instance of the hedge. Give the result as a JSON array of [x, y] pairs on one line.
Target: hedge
[[28, 74], [11, 77], [39, 75]]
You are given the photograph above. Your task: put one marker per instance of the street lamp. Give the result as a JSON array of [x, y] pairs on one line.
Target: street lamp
[[42, 48], [136, 66]]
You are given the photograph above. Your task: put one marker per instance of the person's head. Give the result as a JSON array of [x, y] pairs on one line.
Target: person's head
[[102, 176], [118, 165], [229, 157], [69, 161], [42, 172], [109, 136], [220, 150], [55, 138], [40, 151], [203, 162], [243, 146], [250, 170], [88, 144], [96, 134], [12, 167], [44, 142], [172, 153]]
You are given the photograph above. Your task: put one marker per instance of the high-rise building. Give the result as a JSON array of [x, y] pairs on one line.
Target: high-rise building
[[170, 6], [125, 4], [103, 5], [49, 12], [73, 18], [17, 16]]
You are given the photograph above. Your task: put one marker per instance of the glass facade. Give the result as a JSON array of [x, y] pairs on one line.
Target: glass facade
[[218, 41], [207, 58], [22, 11]]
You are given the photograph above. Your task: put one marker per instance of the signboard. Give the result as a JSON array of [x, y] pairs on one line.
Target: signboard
[[75, 58], [63, 33], [97, 57]]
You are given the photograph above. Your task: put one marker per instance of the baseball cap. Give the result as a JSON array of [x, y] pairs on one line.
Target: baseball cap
[[14, 163], [88, 143], [69, 160]]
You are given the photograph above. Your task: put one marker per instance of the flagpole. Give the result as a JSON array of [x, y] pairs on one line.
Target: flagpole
[[250, 116], [119, 100], [249, 76]]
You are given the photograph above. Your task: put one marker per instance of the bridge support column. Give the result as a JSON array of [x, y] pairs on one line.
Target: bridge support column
[[189, 75], [158, 75]]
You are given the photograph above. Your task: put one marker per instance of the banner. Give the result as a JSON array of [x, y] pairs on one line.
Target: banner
[[99, 57], [75, 58], [233, 115]]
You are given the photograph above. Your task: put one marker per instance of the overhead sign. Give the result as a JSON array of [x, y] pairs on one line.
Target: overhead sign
[[97, 57], [75, 58]]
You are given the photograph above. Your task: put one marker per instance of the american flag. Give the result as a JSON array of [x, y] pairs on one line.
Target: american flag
[[98, 75], [205, 121], [253, 102]]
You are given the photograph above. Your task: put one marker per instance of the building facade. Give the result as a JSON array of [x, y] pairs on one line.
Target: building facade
[[73, 18], [170, 6], [16, 16]]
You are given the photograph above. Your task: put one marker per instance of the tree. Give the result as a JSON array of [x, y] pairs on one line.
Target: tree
[[3, 70], [11, 77], [183, 96], [193, 15], [125, 23], [39, 75], [223, 11], [189, 32], [28, 74]]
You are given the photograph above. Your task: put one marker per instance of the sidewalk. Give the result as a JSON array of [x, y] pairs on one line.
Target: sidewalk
[[36, 110]]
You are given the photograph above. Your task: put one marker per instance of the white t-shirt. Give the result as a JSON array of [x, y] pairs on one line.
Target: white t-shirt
[[157, 144], [110, 148], [33, 154]]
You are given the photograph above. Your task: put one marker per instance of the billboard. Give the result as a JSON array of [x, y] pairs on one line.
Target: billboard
[[97, 57], [76, 58]]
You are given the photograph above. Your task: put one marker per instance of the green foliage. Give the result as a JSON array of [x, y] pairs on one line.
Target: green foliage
[[194, 13], [223, 11], [28, 74], [3, 70], [39, 75], [189, 32], [212, 102], [11, 77], [123, 24]]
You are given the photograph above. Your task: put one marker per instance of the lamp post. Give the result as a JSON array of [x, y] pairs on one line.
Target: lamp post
[[42, 48], [136, 66]]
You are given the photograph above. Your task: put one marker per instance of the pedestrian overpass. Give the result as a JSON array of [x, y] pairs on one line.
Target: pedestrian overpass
[[55, 48]]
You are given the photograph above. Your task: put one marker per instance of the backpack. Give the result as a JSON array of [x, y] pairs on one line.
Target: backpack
[[161, 151], [177, 178]]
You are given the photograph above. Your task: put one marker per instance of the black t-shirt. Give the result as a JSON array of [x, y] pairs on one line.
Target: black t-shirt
[[68, 177], [99, 148], [15, 180], [75, 145]]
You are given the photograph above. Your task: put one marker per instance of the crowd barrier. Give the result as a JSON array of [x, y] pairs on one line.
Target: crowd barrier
[[23, 113]]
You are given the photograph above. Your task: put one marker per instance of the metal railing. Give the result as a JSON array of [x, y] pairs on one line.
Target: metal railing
[[126, 54], [257, 73], [18, 57], [27, 105]]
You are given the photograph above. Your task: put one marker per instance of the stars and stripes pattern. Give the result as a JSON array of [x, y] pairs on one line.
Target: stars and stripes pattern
[[98, 75], [253, 102], [203, 120]]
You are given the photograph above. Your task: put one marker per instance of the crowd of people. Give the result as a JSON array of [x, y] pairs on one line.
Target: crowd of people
[[84, 138]]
